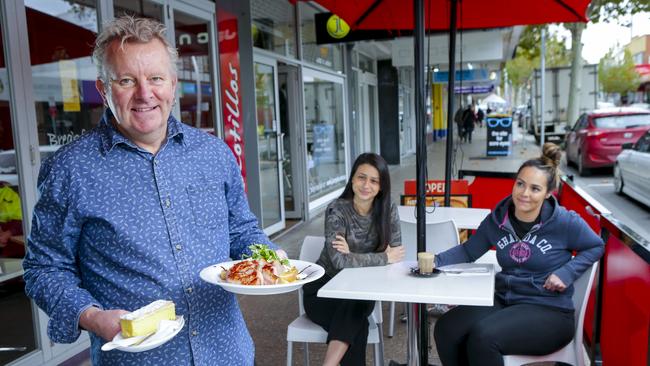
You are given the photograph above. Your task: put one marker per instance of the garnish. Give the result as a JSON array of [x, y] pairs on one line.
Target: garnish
[[262, 251]]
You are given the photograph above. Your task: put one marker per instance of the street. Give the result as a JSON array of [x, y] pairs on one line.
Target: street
[[600, 185]]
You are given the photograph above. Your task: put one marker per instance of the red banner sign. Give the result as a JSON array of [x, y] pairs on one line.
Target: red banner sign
[[230, 87], [437, 187]]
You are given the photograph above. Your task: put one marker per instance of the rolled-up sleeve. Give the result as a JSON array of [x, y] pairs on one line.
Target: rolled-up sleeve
[[51, 270]]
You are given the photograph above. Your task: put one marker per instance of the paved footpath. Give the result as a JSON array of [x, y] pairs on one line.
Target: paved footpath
[[268, 316]]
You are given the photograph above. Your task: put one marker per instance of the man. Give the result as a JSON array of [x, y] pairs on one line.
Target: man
[[133, 210], [469, 119]]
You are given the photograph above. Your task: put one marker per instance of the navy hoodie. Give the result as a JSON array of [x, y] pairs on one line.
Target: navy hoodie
[[527, 262]]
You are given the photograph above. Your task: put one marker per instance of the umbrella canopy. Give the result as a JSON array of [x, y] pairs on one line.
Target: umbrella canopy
[[494, 99], [476, 14]]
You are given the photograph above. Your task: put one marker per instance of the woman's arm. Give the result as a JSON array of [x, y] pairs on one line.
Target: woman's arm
[[586, 242], [477, 245]]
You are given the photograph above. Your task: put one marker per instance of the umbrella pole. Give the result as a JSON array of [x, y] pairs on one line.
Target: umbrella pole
[[450, 100], [421, 163]]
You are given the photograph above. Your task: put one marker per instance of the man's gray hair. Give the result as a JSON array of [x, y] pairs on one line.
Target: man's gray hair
[[127, 29]]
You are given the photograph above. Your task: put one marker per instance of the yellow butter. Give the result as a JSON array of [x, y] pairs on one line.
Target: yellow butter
[[146, 319]]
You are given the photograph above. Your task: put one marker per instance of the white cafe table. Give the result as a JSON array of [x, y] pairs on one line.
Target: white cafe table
[[395, 283], [465, 218]]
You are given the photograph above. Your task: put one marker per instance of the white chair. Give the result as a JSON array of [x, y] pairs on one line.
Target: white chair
[[304, 330], [572, 353], [440, 236]]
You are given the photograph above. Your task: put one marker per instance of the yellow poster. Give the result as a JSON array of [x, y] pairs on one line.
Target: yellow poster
[[69, 86], [439, 122]]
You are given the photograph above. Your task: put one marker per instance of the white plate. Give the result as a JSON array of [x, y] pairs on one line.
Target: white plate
[[159, 338], [211, 275]]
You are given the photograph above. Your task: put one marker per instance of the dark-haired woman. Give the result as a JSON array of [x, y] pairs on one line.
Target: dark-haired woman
[[361, 229], [534, 238]]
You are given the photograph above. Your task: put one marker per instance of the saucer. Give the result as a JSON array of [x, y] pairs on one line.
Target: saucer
[[415, 271]]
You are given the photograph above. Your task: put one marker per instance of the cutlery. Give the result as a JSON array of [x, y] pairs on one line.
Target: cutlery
[[303, 270], [8, 349]]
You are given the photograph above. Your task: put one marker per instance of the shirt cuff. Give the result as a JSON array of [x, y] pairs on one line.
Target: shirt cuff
[[63, 326]]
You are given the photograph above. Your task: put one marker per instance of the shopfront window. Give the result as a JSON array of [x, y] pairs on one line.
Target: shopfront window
[[326, 55], [17, 337], [141, 8], [67, 102], [325, 136], [194, 71], [273, 26]]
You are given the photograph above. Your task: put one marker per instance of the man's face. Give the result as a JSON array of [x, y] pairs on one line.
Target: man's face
[[140, 91]]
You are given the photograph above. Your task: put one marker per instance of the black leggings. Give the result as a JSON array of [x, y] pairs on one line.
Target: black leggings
[[480, 335], [344, 320]]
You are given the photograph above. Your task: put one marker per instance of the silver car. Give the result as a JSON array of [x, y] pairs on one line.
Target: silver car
[[632, 170]]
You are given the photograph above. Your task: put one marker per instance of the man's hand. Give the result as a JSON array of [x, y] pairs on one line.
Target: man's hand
[[340, 244], [554, 283], [104, 323], [395, 254]]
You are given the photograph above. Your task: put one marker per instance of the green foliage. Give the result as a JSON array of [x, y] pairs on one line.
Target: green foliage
[[608, 10], [618, 76]]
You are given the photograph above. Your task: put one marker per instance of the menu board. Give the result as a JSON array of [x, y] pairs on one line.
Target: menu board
[[499, 135]]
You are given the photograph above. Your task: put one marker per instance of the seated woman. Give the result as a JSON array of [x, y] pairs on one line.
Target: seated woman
[[361, 229], [534, 238]]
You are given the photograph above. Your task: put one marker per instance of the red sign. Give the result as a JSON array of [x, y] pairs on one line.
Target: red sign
[[435, 187], [230, 87]]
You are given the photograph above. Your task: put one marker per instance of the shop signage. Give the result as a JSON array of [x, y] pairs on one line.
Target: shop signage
[[323, 149], [499, 135], [332, 29], [230, 74], [437, 187]]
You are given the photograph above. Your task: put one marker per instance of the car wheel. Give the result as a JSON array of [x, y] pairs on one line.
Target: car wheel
[[582, 171], [618, 180]]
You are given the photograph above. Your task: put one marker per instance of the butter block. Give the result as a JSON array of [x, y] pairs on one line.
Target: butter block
[[146, 319]]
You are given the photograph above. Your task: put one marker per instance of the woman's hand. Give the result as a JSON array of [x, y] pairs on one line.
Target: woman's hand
[[340, 244], [394, 254], [554, 283]]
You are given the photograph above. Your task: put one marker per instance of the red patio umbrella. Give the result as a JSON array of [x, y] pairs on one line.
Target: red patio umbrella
[[444, 15]]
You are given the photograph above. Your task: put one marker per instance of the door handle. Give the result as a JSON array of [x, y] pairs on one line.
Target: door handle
[[281, 147]]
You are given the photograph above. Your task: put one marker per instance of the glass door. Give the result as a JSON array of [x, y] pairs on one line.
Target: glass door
[[269, 143]]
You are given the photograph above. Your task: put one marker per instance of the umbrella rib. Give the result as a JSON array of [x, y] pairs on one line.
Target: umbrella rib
[[365, 14], [569, 8]]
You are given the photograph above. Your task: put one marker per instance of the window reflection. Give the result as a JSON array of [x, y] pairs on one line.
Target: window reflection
[[273, 26], [141, 8], [327, 55], [325, 136], [195, 86]]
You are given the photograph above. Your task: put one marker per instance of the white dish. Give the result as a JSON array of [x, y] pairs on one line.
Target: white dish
[[212, 275], [163, 335]]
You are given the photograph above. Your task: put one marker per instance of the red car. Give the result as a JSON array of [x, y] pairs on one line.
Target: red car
[[595, 139]]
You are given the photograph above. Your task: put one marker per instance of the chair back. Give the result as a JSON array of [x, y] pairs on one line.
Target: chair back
[[581, 289], [440, 236], [311, 248]]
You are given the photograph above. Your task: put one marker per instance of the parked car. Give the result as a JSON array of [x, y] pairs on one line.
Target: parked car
[[632, 170], [595, 139]]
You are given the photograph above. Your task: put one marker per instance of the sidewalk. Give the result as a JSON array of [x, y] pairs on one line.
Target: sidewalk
[[268, 316]]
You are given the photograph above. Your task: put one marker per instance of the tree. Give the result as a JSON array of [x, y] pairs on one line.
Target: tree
[[527, 56], [618, 76], [598, 10]]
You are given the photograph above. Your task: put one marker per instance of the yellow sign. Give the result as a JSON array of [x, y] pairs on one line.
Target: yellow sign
[[337, 27], [69, 86]]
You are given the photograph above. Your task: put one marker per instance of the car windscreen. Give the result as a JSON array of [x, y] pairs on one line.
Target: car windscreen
[[623, 121]]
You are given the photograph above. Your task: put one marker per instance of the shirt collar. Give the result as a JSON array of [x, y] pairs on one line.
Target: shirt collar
[[111, 136]]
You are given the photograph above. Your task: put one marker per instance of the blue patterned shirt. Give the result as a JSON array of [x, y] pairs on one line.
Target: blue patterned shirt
[[118, 227]]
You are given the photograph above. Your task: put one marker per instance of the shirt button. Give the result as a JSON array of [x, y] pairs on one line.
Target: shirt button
[[168, 202], [189, 290], [195, 333], [178, 247], [155, 162]]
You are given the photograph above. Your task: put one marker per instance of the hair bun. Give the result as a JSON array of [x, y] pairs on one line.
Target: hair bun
[[551, 154]]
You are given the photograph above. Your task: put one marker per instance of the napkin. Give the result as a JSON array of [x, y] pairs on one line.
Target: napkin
[[465, 269]]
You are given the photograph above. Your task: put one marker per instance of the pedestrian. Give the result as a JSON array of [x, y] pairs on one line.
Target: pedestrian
[[480, 116], [458, 118], [535, 239], [469, 120], [361, 229], [131, 212]]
